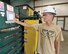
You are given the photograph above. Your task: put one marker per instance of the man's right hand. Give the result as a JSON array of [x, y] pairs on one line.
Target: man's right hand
[[16, 20]]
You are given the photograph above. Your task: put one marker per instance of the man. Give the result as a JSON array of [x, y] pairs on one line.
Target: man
[[50, 35]]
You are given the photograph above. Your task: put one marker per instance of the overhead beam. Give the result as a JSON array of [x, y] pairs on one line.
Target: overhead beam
[[51, 4]]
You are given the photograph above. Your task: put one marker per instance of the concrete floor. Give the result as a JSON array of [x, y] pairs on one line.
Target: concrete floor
[[64, 44]]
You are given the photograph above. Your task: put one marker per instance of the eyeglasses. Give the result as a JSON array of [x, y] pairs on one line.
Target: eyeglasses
[[44, 14]]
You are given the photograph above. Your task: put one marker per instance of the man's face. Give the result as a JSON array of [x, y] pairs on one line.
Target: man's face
[[48, 17]]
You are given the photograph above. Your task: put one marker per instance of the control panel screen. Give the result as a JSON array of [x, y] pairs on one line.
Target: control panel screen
[[10, 16]]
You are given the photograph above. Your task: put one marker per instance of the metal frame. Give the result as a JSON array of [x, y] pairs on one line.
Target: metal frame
[[61, 20]]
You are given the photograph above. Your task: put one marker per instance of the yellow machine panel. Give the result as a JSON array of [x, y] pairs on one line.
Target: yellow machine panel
[[31, 37], [30, 12]]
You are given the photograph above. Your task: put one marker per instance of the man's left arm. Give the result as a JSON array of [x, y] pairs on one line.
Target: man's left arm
[[58, 39], [57, 46]]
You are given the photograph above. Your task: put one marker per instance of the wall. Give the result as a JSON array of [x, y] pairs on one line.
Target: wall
[[46, 2], [60, 11], [66, 23]]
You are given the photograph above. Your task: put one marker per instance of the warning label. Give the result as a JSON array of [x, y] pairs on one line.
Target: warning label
[[1, 6]]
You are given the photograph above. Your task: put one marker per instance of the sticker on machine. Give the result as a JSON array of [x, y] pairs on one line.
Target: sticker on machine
[[1, 6], [10, 8]]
